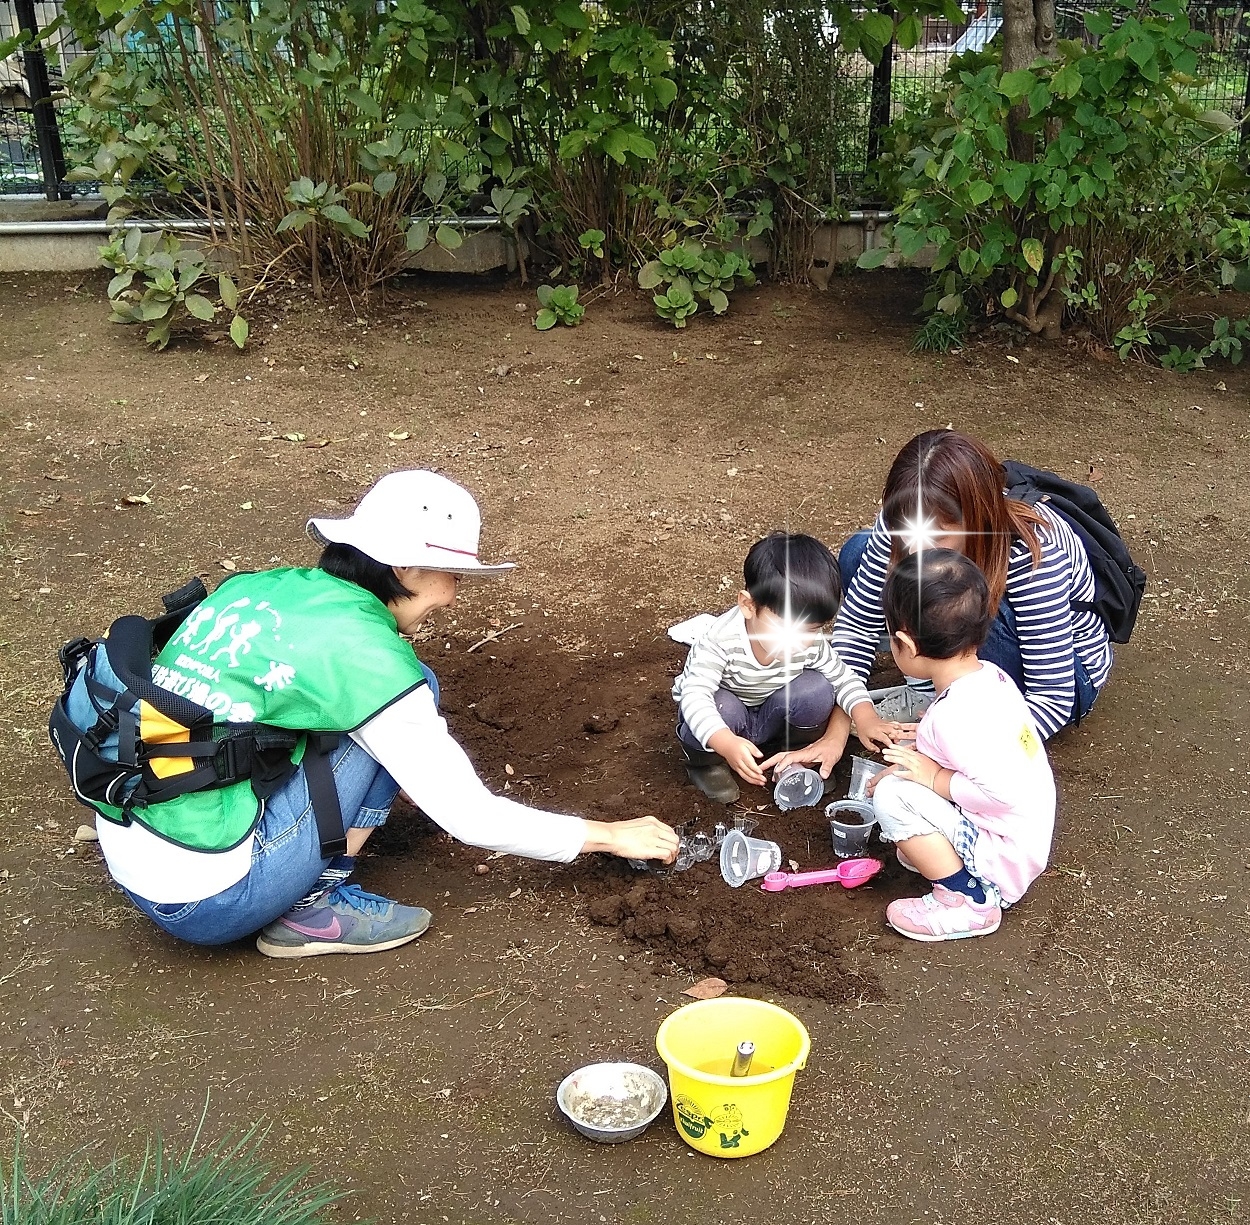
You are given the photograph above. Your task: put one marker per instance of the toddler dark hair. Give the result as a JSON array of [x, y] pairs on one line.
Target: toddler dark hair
[[793, 575], [941, 600]]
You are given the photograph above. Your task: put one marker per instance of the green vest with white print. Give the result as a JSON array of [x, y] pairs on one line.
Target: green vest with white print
[[296, 649]]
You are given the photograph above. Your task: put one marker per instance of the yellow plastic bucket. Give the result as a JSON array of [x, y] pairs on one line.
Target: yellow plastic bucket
[[719, 1114]]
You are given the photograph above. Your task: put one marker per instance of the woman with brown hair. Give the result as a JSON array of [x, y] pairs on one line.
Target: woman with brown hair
[[947, 490]]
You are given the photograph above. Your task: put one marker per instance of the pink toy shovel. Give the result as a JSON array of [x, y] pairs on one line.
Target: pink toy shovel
[[849, 873]]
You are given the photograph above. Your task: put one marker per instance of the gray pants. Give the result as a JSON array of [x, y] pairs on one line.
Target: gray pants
[[795, 715]]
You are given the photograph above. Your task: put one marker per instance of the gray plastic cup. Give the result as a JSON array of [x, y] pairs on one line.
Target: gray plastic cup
[[743, 859], [850, 826], [798, 787]]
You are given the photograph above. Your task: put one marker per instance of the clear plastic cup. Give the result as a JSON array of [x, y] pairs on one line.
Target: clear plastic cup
[[798, 787], [850, 827], [861, 771], [743, 859]]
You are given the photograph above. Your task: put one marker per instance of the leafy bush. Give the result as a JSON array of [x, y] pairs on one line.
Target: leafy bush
[[1105, 202], [559, 305], [693, 272], [161, 282]]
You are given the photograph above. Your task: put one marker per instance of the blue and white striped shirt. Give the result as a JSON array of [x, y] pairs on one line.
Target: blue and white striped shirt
[[1051, 632]]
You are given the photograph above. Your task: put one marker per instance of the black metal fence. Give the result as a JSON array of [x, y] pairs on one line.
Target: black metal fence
[[35, 127]]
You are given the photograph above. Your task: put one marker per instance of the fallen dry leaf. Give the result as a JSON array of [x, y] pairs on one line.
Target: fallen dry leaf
[[56, 476], [508, 770], [201, 378], [24, 511], [515, 893], [294, 437], [1095, 474], [399, 435], [227, 564], [707, 989], [137, 499]]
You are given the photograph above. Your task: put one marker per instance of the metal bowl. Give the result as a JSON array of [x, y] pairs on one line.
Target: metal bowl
[[612, 1102]]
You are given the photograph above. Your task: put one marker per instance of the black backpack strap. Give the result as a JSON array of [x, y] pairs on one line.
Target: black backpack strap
[[324, 795], [129, 649]]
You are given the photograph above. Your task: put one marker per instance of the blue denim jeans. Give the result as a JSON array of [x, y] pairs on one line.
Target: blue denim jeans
[[286, 854], [1002, 643]]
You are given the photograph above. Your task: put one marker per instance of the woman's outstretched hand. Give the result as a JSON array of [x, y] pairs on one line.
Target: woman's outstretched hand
[[639, 838]]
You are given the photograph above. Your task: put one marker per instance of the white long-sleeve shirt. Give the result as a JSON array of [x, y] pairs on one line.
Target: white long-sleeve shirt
[[411, 741], [723, 659]]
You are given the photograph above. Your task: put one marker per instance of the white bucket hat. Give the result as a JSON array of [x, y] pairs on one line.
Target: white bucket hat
[[414, 519]]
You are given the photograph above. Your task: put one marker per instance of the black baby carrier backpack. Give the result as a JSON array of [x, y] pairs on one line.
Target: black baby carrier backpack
[[127, 743], [1118, 581]]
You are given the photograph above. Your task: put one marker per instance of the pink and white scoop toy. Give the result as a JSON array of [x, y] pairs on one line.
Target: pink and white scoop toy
[[849, 873]]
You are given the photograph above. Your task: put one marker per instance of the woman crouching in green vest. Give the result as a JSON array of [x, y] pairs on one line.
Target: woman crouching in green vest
[[320, 650]]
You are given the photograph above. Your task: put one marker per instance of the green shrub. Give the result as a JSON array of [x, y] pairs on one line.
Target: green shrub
[[693, 272], [1085, 187], [160, 282], [559, 304]]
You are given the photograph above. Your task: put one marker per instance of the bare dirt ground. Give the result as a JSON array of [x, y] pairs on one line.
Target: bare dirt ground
[[1091, 1062]]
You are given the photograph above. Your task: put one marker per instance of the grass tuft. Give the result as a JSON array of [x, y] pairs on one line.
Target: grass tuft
[[227, 1184]]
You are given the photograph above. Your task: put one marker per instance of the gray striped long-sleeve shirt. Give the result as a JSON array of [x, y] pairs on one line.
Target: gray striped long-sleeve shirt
[[723, 659], [1051, 632]]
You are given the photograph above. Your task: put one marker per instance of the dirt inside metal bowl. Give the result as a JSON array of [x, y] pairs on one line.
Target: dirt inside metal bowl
[[610, 1102]]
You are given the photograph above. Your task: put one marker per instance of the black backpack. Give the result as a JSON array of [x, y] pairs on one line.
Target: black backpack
[[1118, 581]]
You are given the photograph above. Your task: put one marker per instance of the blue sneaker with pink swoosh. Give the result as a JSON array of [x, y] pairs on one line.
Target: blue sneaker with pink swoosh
[[344, 920]]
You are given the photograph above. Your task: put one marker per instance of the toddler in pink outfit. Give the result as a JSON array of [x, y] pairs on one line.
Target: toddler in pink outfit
[[972, 805]]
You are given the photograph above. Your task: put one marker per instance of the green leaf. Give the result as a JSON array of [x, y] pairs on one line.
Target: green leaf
[[1009, 297], [417, 237], [521, 17], [718, 301], [158, 335], [968, 261], [1016, 182], [1039, 99], [569, 13], [384, 183], [909, 32], [339, 216], [447, 238], [545, 319], [199, 306], [229, 292], [239, 331], [1014, 85], [650, 274], [979, 192], [434, 186], [294, 221], [1068, 81], [122, 281], [1034, 253], [874, 257]]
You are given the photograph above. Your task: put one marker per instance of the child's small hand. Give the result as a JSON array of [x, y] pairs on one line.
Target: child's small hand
[[912, 766], [743, 758], [874, 732]]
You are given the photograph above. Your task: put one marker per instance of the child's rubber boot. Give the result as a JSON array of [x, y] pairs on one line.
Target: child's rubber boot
[[710, 773]]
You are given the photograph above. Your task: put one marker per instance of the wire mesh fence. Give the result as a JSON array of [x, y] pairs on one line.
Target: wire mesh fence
[[859, 97]]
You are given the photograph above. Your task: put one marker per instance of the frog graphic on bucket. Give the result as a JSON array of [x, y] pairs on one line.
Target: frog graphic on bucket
[[727, 1122]]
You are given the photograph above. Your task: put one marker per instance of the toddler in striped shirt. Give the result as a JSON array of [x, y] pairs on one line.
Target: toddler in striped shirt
[[765, 677]]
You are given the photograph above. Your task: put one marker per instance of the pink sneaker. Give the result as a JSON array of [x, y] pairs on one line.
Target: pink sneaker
[[942, 915]]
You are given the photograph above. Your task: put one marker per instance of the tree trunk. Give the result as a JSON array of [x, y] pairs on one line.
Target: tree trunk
[[1029, 34]]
